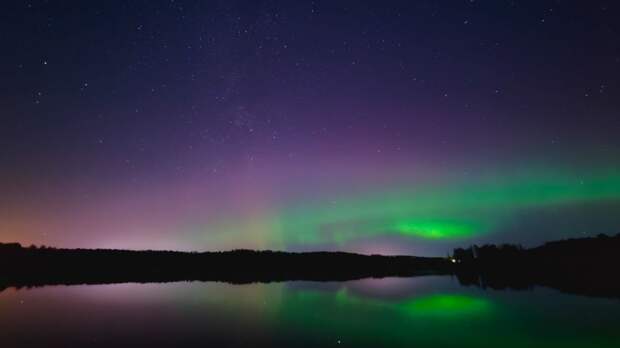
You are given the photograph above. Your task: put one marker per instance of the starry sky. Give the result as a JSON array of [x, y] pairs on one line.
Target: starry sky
[[367, 126]]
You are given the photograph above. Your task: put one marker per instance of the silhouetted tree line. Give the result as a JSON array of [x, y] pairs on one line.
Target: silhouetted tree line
[[33, 266], [585, 266]]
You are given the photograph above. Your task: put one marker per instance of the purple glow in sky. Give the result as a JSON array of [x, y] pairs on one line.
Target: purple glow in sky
[[400, 127]]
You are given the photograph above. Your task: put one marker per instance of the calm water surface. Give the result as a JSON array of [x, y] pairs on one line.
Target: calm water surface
[[393, 312]]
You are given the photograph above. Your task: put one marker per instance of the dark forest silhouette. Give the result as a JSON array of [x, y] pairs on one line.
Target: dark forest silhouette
[[585, 266], [35, 266]]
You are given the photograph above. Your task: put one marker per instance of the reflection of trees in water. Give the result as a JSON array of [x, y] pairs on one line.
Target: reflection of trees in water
[[581, 266]]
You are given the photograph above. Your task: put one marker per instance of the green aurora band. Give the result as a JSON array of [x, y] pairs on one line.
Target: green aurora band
[[438, 210]]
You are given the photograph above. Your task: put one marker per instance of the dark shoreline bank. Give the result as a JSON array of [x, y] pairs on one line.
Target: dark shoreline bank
[[46, 266], [585, 266]]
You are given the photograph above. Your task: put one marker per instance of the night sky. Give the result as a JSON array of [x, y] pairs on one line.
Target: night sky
[[366, 126]]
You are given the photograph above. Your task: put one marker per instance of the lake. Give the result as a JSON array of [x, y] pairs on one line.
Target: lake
[[431, 311]]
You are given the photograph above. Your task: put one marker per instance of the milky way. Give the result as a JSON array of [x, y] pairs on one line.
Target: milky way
[[376, 127]]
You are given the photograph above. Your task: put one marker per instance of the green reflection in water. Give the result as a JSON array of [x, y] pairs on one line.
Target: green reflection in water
[[428, 314], [448, 306], [432, 320], [364, 321], [443, 305]]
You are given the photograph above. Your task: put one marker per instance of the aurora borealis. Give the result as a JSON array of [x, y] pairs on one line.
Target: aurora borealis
[[374, 127]]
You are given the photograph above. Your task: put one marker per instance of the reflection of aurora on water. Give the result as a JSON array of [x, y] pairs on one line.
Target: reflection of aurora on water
[[438, 306], [447, 305], [444, 317], [391, 312]]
